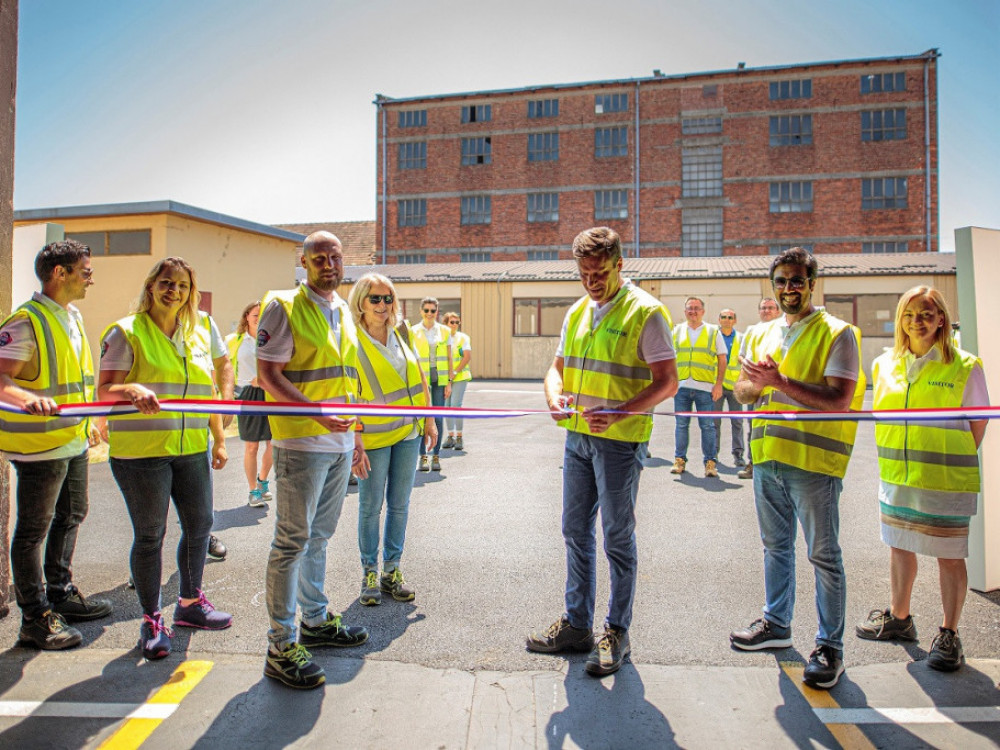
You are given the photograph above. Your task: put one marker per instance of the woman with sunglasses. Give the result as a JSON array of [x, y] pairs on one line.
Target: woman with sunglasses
[[389, 374], [462, 347], [432, 343], [929, 471]]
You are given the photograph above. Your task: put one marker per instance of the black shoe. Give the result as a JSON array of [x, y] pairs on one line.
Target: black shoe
[[294, 668], [561, 636], [761, 634], [824, 668], [216, 549], [352, 481], [882, 626], [609, 652], [49, 632], [332, 633], [946, 651], [75, 608]]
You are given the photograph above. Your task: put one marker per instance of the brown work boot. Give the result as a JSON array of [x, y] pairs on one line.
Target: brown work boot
[[746, 473], [710, 470], [679, 464]]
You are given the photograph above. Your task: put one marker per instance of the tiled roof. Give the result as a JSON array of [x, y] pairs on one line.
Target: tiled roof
[[357, 237], [744, 266]]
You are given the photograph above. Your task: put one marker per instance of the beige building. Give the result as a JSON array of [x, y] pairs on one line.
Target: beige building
[[236, 261]]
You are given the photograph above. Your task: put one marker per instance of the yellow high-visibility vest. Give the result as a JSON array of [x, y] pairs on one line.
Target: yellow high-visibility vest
[[462, 341], [233, 342], [381, 384], [437, 364], [697, 359], [733, 364]]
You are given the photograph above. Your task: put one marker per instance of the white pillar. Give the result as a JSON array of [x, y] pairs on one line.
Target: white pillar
[[28, 240], [978, 265]]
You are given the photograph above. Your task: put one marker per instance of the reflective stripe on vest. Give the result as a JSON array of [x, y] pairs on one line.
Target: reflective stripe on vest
[[62, 376], [422, 346], [462, 341], [321, 367], [733, 364], [381, 384], [698, 360], [602, 366], [822, 447], [157, 366], [927, 455]]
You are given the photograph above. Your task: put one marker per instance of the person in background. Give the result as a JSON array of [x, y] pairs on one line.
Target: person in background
[[728, 402], [433, 344], [389, 374], [767, 310], [928, 470], [167, 349], [254, 429], [462, 347], [45, 361]]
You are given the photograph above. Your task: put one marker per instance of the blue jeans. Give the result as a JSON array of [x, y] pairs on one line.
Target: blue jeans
[[728, 402], [51, 505], [390, 479], [456, 398], [310, 495], [685, 399], [600, 474], [782, 494], [148, 484], [437, 399]]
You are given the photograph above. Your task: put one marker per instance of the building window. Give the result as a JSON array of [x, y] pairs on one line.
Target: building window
[[883, 192], [477, 113], [798, 89], [475, 256], [709, 91], [882, 82], [701, 232], [701, 172], [411, 258], [791, 197], [884, 247], [543, 255], [477, 151], [701, 125], [540, 316], [412, 213], [611, 142], [604, 103], [477, 209], [874, 314], [413, 155], [611, 204], [779, 249], [413, 118], [883, 125], [543, 146], [538, 108], [543, 207], [791, 130], [129, 242]]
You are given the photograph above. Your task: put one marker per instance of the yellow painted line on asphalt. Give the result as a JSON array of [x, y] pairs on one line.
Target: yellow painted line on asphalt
[[134, 732], [847, 735]]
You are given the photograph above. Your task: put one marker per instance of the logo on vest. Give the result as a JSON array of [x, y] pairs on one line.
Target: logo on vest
[[616, 331], [5, 338], [941, 383]]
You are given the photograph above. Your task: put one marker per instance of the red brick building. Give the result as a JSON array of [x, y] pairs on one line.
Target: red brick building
[[838, 156]]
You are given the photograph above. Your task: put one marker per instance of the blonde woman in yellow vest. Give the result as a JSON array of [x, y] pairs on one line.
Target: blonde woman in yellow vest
[[45, 362], [433, 344], [462, 349], [389, 373], [167, 349], [929, 471]]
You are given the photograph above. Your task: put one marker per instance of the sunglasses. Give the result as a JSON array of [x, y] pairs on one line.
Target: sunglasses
[[430, 310], [727, 317], [796, 282], [376, 298]]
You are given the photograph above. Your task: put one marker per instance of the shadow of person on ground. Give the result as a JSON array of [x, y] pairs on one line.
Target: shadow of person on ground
[[965, 687]]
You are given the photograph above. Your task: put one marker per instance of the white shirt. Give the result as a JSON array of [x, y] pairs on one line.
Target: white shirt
[[246, 361]]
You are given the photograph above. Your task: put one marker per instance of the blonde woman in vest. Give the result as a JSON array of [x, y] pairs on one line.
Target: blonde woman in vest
[[166, 349], [462, 348], [254, 429], [389, 374], [929, 471]]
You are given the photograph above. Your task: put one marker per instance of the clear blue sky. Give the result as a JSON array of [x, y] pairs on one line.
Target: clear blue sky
[[263, 110]]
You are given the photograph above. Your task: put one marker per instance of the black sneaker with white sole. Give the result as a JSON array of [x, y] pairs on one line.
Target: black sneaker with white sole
[[881, 625], [824, 668], [761, 634], [946, 651]]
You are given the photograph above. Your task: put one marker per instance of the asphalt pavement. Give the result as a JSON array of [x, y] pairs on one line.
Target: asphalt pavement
[[485, 555]]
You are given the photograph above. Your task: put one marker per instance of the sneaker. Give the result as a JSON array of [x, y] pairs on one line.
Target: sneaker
[[738, 461], [459, 445], [49, 632], [424, 464], [332, 633], [435, 463], [746, 473], [392, 583], [293, 667], [256, 500], [679, 464], [264, 487], [759, 635], [710, 470], [371, 594], [449, 442], [202, 614], [609, 652], [882, 626], [216, 549], [154, 637], [946, 651], [352, 481], [824, 668], [561, 636], [76, 608]]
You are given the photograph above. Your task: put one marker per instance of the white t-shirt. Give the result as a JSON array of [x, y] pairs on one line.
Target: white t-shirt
[[246, 361], [720, 348]]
